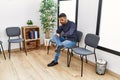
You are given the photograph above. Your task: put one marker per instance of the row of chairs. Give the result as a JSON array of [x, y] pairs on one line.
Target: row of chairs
[[12, 32], [91, 40]]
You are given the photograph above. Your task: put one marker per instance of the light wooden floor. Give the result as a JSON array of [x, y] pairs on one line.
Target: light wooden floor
[[34, 67]]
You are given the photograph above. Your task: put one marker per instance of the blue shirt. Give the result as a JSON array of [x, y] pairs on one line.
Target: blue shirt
[[69, 31]]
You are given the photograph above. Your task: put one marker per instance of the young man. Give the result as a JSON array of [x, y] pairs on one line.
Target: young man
[[67, 39]]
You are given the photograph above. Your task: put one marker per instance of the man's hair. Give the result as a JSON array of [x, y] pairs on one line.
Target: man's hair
[[62, 15]]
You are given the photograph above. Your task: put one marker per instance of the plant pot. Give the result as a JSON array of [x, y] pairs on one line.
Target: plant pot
[[47, 34]]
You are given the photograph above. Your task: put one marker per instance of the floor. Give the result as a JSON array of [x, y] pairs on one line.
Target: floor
[[34, 67]]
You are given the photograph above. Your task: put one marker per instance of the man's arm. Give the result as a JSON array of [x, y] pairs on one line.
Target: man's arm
[[59, 30]]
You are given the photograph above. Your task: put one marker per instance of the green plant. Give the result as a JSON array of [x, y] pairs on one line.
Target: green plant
[[48, 15], [29, 22]]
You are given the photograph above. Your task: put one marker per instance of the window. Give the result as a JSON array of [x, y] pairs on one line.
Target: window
[[70, 8], [108, 24]]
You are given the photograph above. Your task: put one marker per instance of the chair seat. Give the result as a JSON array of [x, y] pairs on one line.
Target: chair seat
[[15, 40], [82, 51], [0, 42]]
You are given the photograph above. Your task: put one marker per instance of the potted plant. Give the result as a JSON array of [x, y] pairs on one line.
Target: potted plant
[[48, 16], [29, 22]]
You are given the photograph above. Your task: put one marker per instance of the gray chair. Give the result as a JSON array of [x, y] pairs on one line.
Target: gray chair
[[91, 40], [79, 34], [69, 52], [48, 48], [14, 37], [2, 50]]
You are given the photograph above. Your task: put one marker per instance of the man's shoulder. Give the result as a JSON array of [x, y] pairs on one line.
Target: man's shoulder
[[71, 22]]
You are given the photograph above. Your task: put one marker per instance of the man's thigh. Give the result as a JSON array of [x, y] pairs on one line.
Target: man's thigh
[[68, 43]]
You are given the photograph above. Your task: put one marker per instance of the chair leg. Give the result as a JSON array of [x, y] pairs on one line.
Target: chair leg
[[20, 46], [9, 49], [3, 52], [95, 58], [86, 59], [0, 51], [81, 57], [67, 58], [81, 65], [48, 48], [69, 54]]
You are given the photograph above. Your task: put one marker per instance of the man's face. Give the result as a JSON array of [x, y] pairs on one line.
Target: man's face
[[63, 20]]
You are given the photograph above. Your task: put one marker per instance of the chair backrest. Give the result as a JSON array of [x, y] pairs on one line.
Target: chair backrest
[[79, 36], [92, 40], [13, 31], [0, 42]]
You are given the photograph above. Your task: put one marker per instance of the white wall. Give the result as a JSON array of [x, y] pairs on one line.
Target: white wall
[[87, 24], [16, 13]]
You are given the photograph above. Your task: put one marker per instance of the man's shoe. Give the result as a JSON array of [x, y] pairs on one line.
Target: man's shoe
[[53, 63], [59, 48]]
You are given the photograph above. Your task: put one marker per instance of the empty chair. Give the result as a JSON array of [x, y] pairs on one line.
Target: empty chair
[[2, 50], [91, 40], [14, 37]]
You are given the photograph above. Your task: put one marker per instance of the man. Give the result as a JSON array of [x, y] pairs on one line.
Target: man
[[67, 39]]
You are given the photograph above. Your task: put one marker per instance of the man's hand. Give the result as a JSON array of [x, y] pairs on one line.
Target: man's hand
[[58, 34]]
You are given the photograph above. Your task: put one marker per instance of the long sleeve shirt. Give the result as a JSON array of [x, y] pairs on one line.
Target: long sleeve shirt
[[69, 31]]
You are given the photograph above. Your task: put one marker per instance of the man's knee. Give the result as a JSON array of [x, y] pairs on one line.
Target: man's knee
[[54, 35]]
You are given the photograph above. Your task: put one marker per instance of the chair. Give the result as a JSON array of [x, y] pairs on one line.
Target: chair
[[91, 40], [2, 50], [14, 37], [79, 34], [48, 48], [69, 53]]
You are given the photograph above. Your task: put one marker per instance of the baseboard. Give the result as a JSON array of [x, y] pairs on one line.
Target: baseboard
[[107, 70], [113, 73]]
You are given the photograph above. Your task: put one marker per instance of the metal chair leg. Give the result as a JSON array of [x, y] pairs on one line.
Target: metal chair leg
[[0, 51], [69, 54], [95, 58], [3, 52], [86, 59], [9, 49], [67, 58], [48, 48], [81, 66], [20, 46]]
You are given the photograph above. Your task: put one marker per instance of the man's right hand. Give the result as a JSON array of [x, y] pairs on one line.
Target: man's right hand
[[58, 34]]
